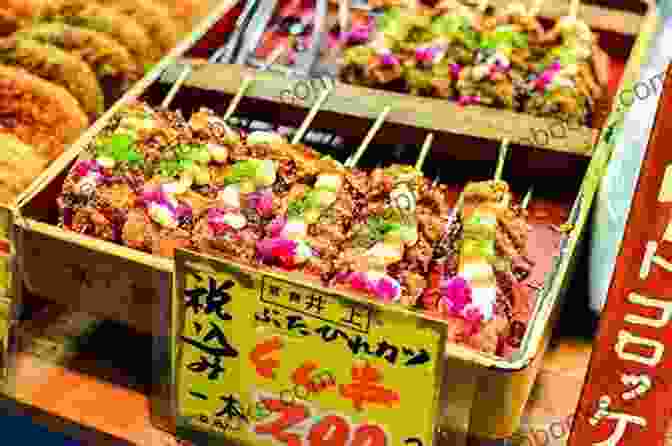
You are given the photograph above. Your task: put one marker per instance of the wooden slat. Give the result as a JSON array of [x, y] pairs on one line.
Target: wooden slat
[[428, 113]]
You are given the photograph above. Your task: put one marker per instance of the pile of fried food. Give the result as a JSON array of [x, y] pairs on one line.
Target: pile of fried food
[[506, 60], [155, 181], [62, 62]]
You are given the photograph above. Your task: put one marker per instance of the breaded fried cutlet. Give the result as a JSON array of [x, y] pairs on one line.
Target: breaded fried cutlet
[[112, 63], [187, 12], [105, 19], [155, 18], [20, 164], [39, 112], [55, 65], [9, 22]]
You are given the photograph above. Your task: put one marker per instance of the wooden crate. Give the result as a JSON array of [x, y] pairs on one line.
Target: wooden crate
[[121, 283]]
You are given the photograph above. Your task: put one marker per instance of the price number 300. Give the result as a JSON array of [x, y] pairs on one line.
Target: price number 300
[[330, 430]]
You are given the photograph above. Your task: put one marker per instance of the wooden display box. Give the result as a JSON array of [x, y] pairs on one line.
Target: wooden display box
[[117, 282]]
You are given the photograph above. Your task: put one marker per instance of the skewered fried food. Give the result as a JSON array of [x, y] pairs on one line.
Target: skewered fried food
[[488, 238], [112, 63], [20, 164], [103, 19], [501, 60], [155, 181], [55, 65], [389, 231], [38, 112]]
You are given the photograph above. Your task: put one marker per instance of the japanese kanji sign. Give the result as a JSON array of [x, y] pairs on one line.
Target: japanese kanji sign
[[626, 396], [265, 360]]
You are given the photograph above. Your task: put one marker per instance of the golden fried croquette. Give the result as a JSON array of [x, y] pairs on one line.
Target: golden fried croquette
[[105, 19], [39, 112], [20, 164], [111, 61], [55, 65]]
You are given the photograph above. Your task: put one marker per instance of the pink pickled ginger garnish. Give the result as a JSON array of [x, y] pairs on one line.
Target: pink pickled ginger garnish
[[83, 168], [278, 249], [276, 226], [359, 282], [389, 60], [158, 196], [384, 288], [216, 221], [455, 294]]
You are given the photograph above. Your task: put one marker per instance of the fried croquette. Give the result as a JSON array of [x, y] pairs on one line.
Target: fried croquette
[[113, 64], [39, 112], [20, 164], [55, 65], [104, 19], [154, 18]]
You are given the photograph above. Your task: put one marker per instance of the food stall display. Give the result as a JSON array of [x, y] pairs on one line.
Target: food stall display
[[477, 260]]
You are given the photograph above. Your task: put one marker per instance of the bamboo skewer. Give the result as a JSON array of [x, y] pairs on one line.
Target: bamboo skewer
[[188, 69], [352, 162], [436, 179], [574, 8], [343, 17], [274, 56], [527, 198], [503, 151], [247, 81], [245, 85], [498, 175], [176, 86], [426, 146], [536, 7], [311, 115]]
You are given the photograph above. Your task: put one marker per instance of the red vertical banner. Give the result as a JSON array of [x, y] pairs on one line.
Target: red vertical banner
[[627, 395]]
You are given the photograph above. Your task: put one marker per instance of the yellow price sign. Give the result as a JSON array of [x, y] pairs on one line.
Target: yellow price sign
[[265, 359]]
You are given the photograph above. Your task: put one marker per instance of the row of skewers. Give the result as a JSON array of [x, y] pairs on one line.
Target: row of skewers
[[478, 55], [62, 62], [155, 181]]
